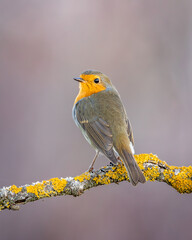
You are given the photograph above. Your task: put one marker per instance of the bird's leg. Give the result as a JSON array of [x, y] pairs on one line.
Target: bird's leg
[[91, 166], [119, 160]]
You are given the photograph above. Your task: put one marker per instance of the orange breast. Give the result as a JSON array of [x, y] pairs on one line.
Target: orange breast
[[86, 89]]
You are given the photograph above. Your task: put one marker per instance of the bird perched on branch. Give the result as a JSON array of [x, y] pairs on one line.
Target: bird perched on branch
[[100, 114]]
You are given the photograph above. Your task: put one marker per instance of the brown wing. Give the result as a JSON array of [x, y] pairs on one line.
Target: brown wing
[[97, 132], [129, 131]]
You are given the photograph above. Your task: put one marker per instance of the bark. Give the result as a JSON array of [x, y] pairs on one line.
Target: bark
[[153, 168]]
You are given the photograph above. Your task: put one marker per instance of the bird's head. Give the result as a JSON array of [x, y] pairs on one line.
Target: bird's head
[[94, 79], [91, 82]]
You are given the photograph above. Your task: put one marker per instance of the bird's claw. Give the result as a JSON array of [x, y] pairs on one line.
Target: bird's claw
[[90, 170]]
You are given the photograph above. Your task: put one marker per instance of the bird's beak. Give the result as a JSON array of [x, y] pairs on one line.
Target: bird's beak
[[79, 79]]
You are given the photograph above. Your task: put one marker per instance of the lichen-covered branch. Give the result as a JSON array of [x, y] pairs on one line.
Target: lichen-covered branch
[[154, 169]]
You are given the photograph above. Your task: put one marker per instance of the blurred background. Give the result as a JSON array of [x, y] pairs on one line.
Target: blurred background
[[145, 48]]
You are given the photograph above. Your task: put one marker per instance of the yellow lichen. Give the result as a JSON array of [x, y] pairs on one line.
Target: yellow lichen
[[152, 173], [15, 189], [118, 174], [144, 157], [58, 184], [101, 180], [37, 189], [83, 177], [179, 178], [112, 175], [182, 180]]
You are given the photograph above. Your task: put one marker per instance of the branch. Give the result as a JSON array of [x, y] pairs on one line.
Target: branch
[[154, 169]]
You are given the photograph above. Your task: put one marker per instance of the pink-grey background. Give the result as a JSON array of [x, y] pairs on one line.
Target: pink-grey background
[[145, 47]]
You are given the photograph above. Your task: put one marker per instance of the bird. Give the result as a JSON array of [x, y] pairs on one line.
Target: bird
[[99, 113]]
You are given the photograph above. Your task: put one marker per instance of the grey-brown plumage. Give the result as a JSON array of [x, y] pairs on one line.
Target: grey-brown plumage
[[104, 123]]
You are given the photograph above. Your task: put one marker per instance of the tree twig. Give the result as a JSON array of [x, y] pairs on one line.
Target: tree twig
[[154, 169]]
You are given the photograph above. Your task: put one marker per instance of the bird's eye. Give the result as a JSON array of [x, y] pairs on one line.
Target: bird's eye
[[96, 80]]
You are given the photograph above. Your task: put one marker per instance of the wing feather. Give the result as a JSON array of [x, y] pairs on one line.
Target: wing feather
[[129, 131], [98, 132]]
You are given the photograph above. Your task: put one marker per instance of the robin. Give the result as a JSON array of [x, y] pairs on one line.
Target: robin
[[101, 116]]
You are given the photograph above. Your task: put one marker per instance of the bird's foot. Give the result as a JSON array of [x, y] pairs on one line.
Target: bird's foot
[[120, 162], [111, 164], [91, 169]]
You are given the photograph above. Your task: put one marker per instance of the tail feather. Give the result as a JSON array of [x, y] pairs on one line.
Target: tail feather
[[134, 172]]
